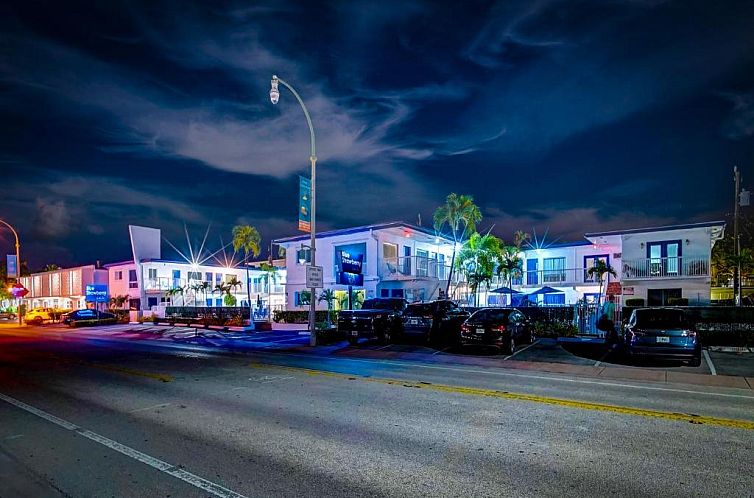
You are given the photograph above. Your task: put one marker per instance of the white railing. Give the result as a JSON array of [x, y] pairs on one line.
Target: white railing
[[539, 278], [680, 267], [411, 267]]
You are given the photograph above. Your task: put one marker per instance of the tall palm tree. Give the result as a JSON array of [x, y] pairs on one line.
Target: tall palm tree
[[221, 288], [246, 238], [477, 260], [195, 287], [204, 287], [460, 215], [231, 286], [175, 291], [598, 271], [510, 265]]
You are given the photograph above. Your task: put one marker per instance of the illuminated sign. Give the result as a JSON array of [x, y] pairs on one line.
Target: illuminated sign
[[11, 266], [96, 293], [350, 263]]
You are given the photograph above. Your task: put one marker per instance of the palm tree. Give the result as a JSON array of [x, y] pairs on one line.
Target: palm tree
[[246, 238], [270, 278], [519, 237], [477, 260], [461, 215], [598, 271], [230, 286], [175, 291], [50, 267], [510, 265], [204, 287], [195, 287], [118, 301], [221, 288], [327, 296]]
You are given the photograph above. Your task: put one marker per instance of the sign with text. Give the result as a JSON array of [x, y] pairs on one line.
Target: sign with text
[[352, 279], [314, 277], [613, 289], [304, 204], [351, 263], [96, 293], [628, 291], [11, 266]]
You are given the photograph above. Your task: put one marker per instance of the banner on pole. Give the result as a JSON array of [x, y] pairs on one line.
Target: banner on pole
[[11, 266], [304, 204]]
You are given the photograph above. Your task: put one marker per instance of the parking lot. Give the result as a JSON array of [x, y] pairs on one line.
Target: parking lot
[[576, 356]]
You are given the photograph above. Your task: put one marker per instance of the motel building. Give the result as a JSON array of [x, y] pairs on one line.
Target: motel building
[[63, 289], [658, 265], [148, 281], [399, 260]]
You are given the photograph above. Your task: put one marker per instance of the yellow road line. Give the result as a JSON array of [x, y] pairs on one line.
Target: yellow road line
[[568, 403]]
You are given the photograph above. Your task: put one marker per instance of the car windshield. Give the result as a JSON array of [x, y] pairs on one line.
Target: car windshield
[[383, 304], [660, 319], [419, 309], [490, 315]]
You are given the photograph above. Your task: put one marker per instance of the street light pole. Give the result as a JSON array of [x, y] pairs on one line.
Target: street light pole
[[18, 266], [274, 96]]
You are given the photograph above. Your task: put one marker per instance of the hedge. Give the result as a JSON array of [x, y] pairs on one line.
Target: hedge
[[282, 316]]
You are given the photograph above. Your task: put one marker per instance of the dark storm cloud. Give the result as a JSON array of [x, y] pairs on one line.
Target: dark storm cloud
[[559, 114]]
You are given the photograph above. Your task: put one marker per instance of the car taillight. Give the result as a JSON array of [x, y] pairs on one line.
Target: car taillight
[[464, 328], [498, 328], [689, 333]]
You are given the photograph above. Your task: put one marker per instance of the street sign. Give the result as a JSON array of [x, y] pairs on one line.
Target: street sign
[[628, 291], [613, 289], [314, 277], [11, 266], [96, 293]]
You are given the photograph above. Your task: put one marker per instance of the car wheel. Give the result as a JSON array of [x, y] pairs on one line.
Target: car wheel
[[511, 346], [696, 361], [37, 320]]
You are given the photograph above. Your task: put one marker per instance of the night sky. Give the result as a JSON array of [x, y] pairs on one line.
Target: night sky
[[560, 116]]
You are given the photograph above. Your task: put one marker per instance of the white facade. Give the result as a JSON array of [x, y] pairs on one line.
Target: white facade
[[399, 260], [62, 289]]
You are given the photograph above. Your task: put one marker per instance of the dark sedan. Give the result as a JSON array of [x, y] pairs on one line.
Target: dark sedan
[[434, 322], [85, 315], [662, 333], [503, 328]]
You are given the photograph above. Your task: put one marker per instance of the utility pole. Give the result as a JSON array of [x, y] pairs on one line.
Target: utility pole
[[736, 239]]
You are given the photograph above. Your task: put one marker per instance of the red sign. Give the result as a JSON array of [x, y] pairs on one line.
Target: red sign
[[613, 289], [18, 291]]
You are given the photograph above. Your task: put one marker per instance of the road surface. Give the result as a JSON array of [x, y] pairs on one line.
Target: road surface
[[83, 419]]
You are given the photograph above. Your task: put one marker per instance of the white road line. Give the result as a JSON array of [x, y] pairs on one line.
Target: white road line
[[511, 374], [383, 347], [709, 362], [155, 463], [520, 350], [161, 405], [440, 351]]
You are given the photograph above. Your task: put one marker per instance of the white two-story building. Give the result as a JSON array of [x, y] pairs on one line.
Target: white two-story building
[[399, 260]]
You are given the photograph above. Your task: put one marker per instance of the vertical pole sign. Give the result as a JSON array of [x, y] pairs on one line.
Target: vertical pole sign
[[12, 266], [304, 204]]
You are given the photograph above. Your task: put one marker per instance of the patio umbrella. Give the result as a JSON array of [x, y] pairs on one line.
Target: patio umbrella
[[505, 290], [545, 290]]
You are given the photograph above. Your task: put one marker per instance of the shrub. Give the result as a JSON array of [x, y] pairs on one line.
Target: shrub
[[281, 316], [92, 323], [634, 302], [678, 301]]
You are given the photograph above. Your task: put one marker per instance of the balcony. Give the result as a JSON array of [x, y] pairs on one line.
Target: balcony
[[665, 268], [412, 268], [557, 277]]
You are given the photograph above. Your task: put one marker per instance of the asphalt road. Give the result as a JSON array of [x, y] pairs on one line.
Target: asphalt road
[[78, 419]]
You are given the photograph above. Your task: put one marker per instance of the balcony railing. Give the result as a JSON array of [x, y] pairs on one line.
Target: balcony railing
[[676, 267], [561, 277], [411, 267]]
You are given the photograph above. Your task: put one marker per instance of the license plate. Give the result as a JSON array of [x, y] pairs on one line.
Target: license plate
[[354, 333], [663, 339], [480, 331], [413, 321]]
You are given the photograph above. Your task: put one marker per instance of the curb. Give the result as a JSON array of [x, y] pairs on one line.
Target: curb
[[730, 349]]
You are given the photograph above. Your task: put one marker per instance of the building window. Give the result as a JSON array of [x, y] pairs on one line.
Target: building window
[[303, 256], [441, 266], [194, 275], [301, 298], [422, 263], [152, 273], [664, 257], [218, 278], [132, 282], [118, 275], [553, 270], [208, 276], [554, 299], [589, 262]]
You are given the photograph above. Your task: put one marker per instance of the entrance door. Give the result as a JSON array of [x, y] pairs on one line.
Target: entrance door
[[531, 272], [660, 297]]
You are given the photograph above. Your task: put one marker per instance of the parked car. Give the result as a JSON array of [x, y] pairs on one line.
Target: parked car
[[503, 328], [39, 315], [72, 317], [378, 317], [434, 322], [662, 333], [7, 315]]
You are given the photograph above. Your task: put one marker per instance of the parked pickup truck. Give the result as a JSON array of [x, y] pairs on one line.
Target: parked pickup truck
[[379, 317]]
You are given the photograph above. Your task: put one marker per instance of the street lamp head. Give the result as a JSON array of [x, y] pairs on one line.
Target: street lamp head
[[274, 92]]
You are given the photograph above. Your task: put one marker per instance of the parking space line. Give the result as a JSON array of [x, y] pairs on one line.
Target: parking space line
[[709, 362], [170, 469], [520, 350], [440, 351]]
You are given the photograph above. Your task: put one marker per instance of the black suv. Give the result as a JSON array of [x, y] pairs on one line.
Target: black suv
[[435, 322], [380, 317]]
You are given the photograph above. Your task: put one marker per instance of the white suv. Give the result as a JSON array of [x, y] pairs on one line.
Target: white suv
[[38, 315]]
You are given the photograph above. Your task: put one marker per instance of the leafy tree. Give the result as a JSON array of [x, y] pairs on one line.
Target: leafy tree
[[118, 301], [460, 215], [246, 238], [50, 267], [477, 260], [598, 271]]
